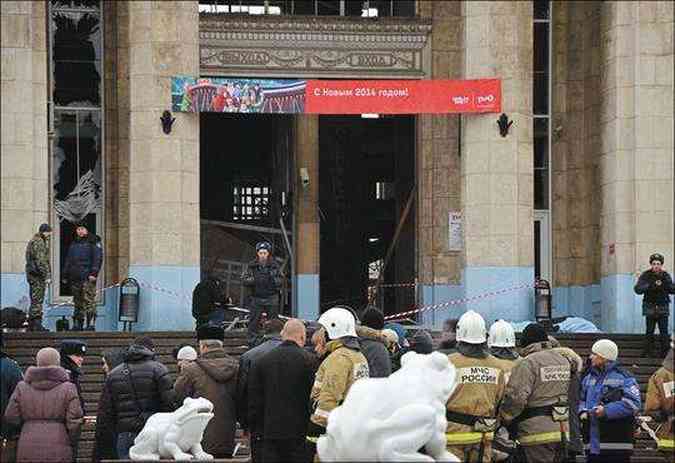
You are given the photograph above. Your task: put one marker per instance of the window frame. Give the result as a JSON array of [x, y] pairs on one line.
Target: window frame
[[55, 248], [341, 7]]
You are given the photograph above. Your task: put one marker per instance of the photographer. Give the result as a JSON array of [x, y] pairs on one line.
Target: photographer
[[656, 285], [264, 277]]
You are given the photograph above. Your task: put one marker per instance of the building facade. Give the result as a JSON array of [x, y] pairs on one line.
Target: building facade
[[579, 192]]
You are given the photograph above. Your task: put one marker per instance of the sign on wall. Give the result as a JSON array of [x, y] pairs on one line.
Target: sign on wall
[[455, 231], [291, 96]]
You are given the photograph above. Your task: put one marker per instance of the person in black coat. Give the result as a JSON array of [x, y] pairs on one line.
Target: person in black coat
[[373, 342], [264, 278], [656, 285], [72, 358], [271, 340], [281, 383], [206, 297], [81, 271], [134, 391], [10, 376]]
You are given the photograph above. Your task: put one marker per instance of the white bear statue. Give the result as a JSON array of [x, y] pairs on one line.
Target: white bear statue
[[176, 435], [391, 419]]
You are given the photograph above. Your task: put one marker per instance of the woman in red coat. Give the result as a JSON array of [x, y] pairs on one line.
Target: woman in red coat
[[47, 408]]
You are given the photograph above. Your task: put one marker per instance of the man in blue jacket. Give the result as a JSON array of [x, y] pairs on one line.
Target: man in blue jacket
[[609, 402], [83, 264]]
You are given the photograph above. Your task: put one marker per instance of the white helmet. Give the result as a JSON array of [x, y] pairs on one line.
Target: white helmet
[[471, 328], [501, 335], [338, 322]]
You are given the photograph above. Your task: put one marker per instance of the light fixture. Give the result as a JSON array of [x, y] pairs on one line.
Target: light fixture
[[370, 116]]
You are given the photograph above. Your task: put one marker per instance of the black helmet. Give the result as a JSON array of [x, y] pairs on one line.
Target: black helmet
[[657, 257], [44, 228]]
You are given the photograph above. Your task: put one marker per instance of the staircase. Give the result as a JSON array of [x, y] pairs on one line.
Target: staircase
[[23, 347]]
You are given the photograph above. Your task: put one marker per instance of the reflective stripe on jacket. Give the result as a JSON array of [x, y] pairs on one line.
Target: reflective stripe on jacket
[[480, 388], [540, 378]]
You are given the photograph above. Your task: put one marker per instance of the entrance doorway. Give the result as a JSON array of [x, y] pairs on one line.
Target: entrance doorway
[[367, 174], [246, 178]]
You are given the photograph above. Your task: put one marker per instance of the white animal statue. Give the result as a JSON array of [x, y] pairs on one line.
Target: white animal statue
[[176, 435], [391, 419]]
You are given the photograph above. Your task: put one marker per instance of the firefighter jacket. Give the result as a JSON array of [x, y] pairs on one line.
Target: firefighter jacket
[[539, 381], [507, 358], [480, 388], [37, 258], [618, 392], [343, 365], [660, 403]]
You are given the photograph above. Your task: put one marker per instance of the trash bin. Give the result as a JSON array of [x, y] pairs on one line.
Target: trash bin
[[543, 312], [129, 302]]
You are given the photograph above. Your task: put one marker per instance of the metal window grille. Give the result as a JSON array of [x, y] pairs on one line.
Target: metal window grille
[[251, 203]]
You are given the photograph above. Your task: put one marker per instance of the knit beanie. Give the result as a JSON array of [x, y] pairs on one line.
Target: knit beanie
[[145, 341], [373, 318], [606, 349], [533, 333]]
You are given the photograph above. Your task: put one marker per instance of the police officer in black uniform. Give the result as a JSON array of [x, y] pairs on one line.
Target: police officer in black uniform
[[72, 358], [265, 278], [656, 285]]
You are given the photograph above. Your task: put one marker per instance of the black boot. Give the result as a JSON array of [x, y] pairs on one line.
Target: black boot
[[91, 322], [77, 324], [649, 346]]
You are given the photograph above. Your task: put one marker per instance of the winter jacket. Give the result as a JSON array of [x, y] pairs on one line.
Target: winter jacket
[[74, 373], [214, 377], [37, 258], [280, 384], [539, 380], [575, 438], [480, 388], [344, 365], [374, 347], [204, 297], [82, 260], [618, 392], [46, 406], [246, 362], [137, 389], [98, 257], [661, 403], [264, 279], [10, 376], [656, 298]]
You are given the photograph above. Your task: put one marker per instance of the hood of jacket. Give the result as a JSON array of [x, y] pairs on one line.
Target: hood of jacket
[[46, 378], [371, 334], [349, 342], [504, 353], [138, 353], [478, 351], [68, 364], [668, 361], [536, 347], [609, 367], [218, 365]]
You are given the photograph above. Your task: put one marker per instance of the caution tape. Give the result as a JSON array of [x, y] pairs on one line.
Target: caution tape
[[397, 285], [446, 304]]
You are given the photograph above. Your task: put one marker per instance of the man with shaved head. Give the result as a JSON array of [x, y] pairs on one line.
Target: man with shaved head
[[279, 387]]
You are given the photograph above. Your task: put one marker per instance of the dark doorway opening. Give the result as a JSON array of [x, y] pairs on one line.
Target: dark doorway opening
[[367, 173], [246, 178]]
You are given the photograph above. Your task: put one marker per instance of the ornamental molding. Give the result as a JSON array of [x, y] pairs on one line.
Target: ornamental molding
[[310, 46]]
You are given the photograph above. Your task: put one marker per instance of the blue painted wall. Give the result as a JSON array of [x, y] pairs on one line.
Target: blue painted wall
[[307, 296]]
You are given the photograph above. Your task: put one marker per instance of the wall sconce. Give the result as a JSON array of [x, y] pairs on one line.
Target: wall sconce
[[167, 121], [504, 125]]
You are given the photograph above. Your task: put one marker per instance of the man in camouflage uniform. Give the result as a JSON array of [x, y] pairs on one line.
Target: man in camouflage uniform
[[38, 274], [81, 270]]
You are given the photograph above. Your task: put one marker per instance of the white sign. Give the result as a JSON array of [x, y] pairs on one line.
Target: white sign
[[455, 231]]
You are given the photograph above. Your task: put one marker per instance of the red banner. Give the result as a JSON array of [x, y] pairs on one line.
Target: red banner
[[403, 96]]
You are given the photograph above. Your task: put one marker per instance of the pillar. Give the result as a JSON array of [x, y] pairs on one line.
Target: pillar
[[438, 169], [497, 172], [23, 144], [307, 239], [636, 118], [164, 243]]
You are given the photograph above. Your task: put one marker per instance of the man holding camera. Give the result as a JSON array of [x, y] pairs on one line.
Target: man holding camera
[[265, 278], [656, 285]]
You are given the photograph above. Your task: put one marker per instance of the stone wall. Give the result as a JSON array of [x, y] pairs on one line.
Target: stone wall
[[24, 162]]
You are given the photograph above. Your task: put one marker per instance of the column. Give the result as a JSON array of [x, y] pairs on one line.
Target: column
[[307, 238], [164, 244], [497, 172], [23, 143], [637, 152], [438, 176]]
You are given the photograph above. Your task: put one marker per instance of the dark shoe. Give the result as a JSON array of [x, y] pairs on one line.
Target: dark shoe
[[91, 328], [77, 324]]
